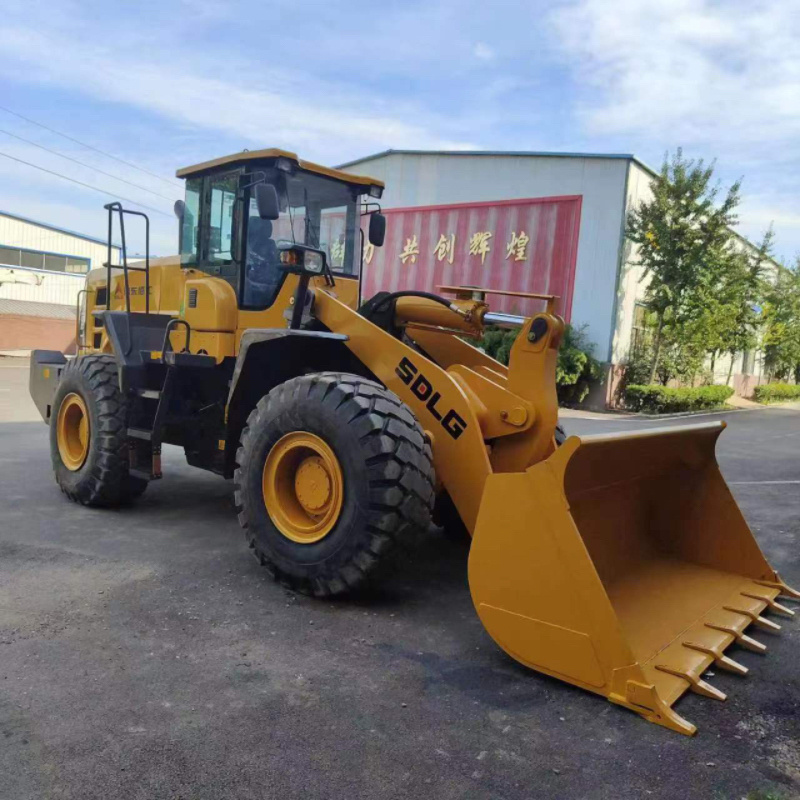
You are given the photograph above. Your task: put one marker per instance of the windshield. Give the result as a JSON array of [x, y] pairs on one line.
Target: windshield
[[321, 213], [316, 211]]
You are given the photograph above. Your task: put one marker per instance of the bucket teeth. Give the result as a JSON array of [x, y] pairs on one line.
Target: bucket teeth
[[741, 638], [774, 605], [697, 685], [720, 659], [762, 622], [785, 590]]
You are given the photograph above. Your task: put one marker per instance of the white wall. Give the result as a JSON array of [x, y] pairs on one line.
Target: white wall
[[19, 283], [41, 286], [16, 233], [420, 179], [631, 287]]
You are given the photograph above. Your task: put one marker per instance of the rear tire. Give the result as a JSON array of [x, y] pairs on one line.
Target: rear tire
[[102, 478], [386, 470]]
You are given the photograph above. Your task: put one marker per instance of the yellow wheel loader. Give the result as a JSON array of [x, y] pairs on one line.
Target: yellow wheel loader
[[618, 563]]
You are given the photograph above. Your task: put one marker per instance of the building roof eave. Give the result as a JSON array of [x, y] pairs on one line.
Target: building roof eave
[[65, 231]]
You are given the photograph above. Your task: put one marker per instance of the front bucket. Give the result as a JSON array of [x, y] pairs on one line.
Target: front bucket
[[623, 564]]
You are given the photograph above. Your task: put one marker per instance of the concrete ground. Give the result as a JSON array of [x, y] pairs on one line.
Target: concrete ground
[[144, 654]]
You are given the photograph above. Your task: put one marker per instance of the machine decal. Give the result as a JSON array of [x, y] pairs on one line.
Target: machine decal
[[423, 389]]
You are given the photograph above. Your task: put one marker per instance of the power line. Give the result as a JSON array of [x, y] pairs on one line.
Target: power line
[[85, 185], [82, 164], [90, 147]]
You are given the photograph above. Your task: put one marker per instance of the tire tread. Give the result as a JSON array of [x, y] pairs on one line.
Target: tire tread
[[399, 468]]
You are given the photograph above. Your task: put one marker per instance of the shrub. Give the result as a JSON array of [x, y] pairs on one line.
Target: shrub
[[665, 399], [777, 392], [576, 371]]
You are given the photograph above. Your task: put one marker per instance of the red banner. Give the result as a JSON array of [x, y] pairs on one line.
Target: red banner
[[514, 245]]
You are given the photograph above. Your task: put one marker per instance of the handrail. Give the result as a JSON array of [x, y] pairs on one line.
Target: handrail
[[79, 343], [111, 208], [167, 345], [469, 292]]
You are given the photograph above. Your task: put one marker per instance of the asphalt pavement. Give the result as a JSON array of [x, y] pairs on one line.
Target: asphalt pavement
[[145, 654]]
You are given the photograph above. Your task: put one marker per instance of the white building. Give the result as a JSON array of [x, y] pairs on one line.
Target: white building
[[42, 269], [607, 287]]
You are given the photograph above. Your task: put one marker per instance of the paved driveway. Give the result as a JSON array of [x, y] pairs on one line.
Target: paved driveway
[[144, 654]]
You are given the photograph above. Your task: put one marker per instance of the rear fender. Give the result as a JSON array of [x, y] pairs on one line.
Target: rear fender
[[45, 373]]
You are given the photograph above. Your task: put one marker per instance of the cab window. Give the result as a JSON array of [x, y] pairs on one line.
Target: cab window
[[263, 275], [190, 223], [221, 214]]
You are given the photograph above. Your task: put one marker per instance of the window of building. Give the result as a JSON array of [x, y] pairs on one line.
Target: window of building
[[38, 259], [31, 259], [79, 265], [9, 256]]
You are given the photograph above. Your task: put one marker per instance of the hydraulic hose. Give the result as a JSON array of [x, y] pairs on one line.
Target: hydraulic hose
[[391, 297]]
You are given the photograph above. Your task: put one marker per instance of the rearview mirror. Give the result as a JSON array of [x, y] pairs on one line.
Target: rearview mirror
[[179, 208], [267, 201], [377, 229]]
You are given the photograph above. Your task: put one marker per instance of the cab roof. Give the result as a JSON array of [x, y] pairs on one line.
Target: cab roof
[[273, 152]]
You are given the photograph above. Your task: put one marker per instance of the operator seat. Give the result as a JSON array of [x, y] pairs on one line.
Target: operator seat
[[263, 273]]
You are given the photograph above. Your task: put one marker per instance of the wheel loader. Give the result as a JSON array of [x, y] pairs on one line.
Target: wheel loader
[[619, 563]]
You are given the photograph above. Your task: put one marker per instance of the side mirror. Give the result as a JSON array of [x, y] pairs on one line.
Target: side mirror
[[377, 229], [180, 209], [267, 201]]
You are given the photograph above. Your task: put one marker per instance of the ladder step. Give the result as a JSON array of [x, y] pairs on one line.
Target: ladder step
[[140, 473], [140, 433], [150, 394]]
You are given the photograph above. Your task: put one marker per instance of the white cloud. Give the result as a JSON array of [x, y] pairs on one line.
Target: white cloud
[[719, 77], [483, 52], [261, 106], [699, 70]]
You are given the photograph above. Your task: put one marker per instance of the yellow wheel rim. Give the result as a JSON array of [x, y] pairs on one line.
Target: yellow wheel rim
[[72, 431], [303, 487]]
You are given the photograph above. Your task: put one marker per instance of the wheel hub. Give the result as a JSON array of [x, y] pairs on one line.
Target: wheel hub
[[312, 484], [72, 431], [303, 487]]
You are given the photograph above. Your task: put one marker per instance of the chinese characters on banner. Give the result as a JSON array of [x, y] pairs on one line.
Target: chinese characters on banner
[[519, 246]]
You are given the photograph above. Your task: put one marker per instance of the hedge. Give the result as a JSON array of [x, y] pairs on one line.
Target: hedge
[[777, 392], [666, 399]]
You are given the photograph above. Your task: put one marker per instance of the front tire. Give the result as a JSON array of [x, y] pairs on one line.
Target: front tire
[[333, 470], [88, 434]]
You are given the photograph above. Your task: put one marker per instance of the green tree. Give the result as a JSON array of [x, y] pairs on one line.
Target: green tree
[[683, 236], [724, 312], [782, 324]]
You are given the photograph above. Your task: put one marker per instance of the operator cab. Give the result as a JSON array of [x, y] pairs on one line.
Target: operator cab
[[223, 233]]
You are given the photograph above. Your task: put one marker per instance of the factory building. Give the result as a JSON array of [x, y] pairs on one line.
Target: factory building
[[525, 221], [42, 269]]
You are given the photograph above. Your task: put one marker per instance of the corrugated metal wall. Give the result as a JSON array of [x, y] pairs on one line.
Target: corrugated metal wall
[[20, 283], [40, 287], [434, 179], [527, 245], [16, 233]]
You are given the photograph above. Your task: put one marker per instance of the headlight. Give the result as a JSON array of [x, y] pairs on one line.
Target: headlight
[[375, 191], [299, 258], [314, 261]]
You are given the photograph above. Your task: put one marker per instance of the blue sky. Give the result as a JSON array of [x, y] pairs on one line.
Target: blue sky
[[170, 83]]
